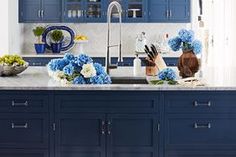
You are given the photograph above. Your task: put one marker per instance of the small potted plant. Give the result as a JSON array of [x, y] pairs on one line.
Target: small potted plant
[[57, 37], [39, 45]]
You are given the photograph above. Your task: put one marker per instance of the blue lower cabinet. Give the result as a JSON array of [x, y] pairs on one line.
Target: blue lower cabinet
[[132, 135], [200, 132], [200, 153], [23, 153], [24, 131], [80, 135]]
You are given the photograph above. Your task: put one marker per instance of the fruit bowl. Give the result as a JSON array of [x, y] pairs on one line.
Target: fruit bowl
[[12, 70]]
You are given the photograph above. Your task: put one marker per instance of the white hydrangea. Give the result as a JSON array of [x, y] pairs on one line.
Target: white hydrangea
[[88, 71]]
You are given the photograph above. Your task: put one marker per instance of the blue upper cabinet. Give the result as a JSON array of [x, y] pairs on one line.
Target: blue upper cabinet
[[84, 11], [136, 11], [169, 11], [29, 10], [95, 11], [47, 11], [51, 11], [179, 10]]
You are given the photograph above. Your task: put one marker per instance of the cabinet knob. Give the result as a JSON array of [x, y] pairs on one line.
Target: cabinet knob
[[42, 13], [103, 124], [39, 13], [109, 127]]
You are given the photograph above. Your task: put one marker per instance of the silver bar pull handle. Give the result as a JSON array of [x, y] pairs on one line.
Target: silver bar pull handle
[[167, 13], [103, 124], [202, 126], [42, 13], [17, 104], [170, 14], [197, 104], [39, 13], [14, 126], [109, 127]]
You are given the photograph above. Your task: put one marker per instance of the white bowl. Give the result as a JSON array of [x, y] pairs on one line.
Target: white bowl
[[6, 70]]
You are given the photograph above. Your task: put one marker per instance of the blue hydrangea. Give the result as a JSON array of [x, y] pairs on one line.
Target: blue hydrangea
[[167, 74], [83, 59], [99, 68], [69, 57], [106, 79], [175, 43], [186, 35], [101, 79], [98, 79], [79, 80], [69, 69], [57, 64], [197, 47]]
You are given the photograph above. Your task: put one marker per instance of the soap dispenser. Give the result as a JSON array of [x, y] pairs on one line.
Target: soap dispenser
[[137, 66]]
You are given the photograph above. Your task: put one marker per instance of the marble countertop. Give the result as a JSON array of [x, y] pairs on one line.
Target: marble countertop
[[36, 78]]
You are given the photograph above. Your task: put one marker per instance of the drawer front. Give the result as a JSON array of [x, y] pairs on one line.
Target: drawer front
[[23, 153], [23, 102], [200, 131], [200, 102], [23, 131], [107, 102], [200, 153]]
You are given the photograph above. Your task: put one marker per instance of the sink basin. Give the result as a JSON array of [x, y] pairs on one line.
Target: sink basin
[[129, 80]]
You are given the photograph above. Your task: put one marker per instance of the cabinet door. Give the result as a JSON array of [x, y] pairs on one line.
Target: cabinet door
[[179, 10], [136, 11], [132, 136], [23, 153], [74, 10], [52, 10], [30, 10], [95, 11], [80, 135], [158, 10], [24, 131]]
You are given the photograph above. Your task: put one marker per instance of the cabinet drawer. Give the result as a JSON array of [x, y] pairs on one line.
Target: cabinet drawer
[[201, 131], [201, 153], [107, 102], [24, 131], [23, 102], [23, 153], [200, 102]]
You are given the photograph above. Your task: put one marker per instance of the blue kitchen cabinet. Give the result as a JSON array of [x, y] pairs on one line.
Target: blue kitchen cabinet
[[169, 11], [47, 11], [76, 11], [179, 10], [23, 153], [30, 10], [132, 135], [80, 135]]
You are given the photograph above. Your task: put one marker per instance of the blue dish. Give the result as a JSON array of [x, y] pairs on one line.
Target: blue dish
[[67, 43]]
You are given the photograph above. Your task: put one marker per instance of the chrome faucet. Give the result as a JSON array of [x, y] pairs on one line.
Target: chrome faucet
[[108, 57]]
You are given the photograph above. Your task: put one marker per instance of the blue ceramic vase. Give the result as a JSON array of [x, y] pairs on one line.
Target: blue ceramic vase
[[56, 47], [40, 48]]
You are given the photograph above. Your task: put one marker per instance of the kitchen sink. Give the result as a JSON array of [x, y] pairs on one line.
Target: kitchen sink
[[129, 80]]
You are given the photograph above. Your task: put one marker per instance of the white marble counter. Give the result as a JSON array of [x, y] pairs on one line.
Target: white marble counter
[[36, 78]]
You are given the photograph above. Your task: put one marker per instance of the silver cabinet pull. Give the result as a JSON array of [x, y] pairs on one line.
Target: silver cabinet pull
[[14, 126], [170, 14], [202, 126], [42, 13], [103, 124], [167, 13], [109, 127], [39, 13], [197, 104], [17, 104]]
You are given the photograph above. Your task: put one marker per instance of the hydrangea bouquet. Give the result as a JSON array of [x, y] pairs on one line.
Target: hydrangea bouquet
[[185, 41], [77, 70]]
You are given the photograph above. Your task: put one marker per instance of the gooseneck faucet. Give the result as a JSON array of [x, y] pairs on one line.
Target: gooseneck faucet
[[108, 57]]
